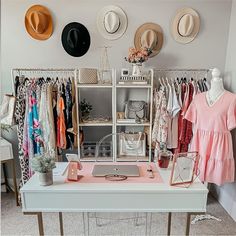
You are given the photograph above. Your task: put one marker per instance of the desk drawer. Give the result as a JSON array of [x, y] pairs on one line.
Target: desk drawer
[[113, 202]]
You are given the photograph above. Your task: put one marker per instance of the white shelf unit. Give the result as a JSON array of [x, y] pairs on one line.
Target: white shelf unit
[[132, 86], [94, 86], [149, 100], [113, 123], [84, 124], [110, 123]]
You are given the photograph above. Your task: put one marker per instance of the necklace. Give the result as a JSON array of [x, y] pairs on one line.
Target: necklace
[[210, 100]]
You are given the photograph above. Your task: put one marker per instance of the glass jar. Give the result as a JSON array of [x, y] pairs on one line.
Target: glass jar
[[164, 158]]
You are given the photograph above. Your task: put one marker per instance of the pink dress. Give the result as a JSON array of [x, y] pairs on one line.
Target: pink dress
[[212, 138]]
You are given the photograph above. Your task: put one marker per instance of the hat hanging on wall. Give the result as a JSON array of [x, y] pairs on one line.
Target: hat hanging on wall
[[112, 22], [38, 22], [149, 35], [75, 39], [185, 25]]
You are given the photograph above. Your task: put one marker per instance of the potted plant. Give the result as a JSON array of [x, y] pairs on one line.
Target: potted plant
[[85, 109], [137, 57], [44, 165]]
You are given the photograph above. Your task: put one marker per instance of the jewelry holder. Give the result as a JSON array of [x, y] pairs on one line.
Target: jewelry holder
[[73, 168]]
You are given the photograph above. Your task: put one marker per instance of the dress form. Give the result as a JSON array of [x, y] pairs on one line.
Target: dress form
[[217, 87]]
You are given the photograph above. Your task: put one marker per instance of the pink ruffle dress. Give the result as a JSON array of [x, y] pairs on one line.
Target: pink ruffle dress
[[212, 138]]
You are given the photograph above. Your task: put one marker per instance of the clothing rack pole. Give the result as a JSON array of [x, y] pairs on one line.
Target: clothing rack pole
[[186, 70], [42, 69], [183, 70], [19, 70]]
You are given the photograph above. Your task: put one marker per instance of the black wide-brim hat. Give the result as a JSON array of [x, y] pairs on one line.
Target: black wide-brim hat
[[75, 39]]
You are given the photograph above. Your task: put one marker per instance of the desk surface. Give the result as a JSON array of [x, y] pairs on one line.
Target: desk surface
[[113, 197]]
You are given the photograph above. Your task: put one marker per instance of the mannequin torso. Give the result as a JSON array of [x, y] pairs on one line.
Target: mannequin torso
[[217, 88]]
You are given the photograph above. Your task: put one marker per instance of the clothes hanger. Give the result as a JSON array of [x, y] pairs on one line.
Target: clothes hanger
[[160, 81], [167, 81], [164, 82]]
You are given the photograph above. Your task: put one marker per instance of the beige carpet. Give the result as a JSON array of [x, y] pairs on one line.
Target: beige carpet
[[13, 222]]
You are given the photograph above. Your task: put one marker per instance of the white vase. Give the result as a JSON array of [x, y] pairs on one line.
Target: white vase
[[137, 69], [45, 179]]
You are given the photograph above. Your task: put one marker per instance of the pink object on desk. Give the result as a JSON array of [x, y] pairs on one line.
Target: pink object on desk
[[85, 175], [72, 173]]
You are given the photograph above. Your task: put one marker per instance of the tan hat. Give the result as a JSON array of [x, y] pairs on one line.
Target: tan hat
[[149, 35], [38, 22], [111, 22], [185, 25]]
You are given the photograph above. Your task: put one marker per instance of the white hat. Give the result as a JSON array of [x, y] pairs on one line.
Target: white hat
[[185, 25], [112, 22]]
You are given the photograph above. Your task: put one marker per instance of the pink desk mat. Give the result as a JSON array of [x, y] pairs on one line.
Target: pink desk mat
[[85, 175]]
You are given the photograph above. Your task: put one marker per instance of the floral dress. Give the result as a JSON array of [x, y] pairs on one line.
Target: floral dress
[[20, 116], [160, 126]]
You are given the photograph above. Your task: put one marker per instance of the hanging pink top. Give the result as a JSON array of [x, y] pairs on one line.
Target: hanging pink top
[[212, 138]]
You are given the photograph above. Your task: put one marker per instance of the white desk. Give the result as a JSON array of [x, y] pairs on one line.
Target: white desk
[[6, 154], [118, 197]]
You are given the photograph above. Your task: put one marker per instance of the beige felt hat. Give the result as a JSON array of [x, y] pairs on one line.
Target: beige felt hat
[[112, 22], [149, 35], [185, 25], [38, 22]]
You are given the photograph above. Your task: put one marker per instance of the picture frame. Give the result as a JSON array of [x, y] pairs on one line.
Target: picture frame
[[124, 72], [185, 166], [120, 115]]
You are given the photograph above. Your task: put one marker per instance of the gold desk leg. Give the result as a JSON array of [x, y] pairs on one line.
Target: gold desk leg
[[86, 223], [61, 224], [40, 221], [14, 181], [188, 224], [169, 223], [148, 223]]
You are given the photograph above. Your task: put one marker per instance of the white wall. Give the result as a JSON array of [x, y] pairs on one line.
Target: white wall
[[227, 193], [18, 49]]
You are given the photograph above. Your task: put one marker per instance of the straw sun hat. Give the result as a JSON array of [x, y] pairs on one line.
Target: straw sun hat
[[185, 25], [38, 22]]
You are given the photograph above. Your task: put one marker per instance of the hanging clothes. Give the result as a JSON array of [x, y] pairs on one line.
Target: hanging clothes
[[69, 104], [21, 96], [74, 129], [46, 118], [34, 126], [171, 102], [52, 135], [173, 108], [160, 127], [43, 114], [61, 126], [186, 126]]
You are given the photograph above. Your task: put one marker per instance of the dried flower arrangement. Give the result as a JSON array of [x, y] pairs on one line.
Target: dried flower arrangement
[[138, 55]]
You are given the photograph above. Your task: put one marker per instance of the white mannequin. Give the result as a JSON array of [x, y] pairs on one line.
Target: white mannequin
[[217, 87]]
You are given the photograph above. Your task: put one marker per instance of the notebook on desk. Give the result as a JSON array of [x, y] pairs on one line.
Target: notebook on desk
[[126, 170]]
